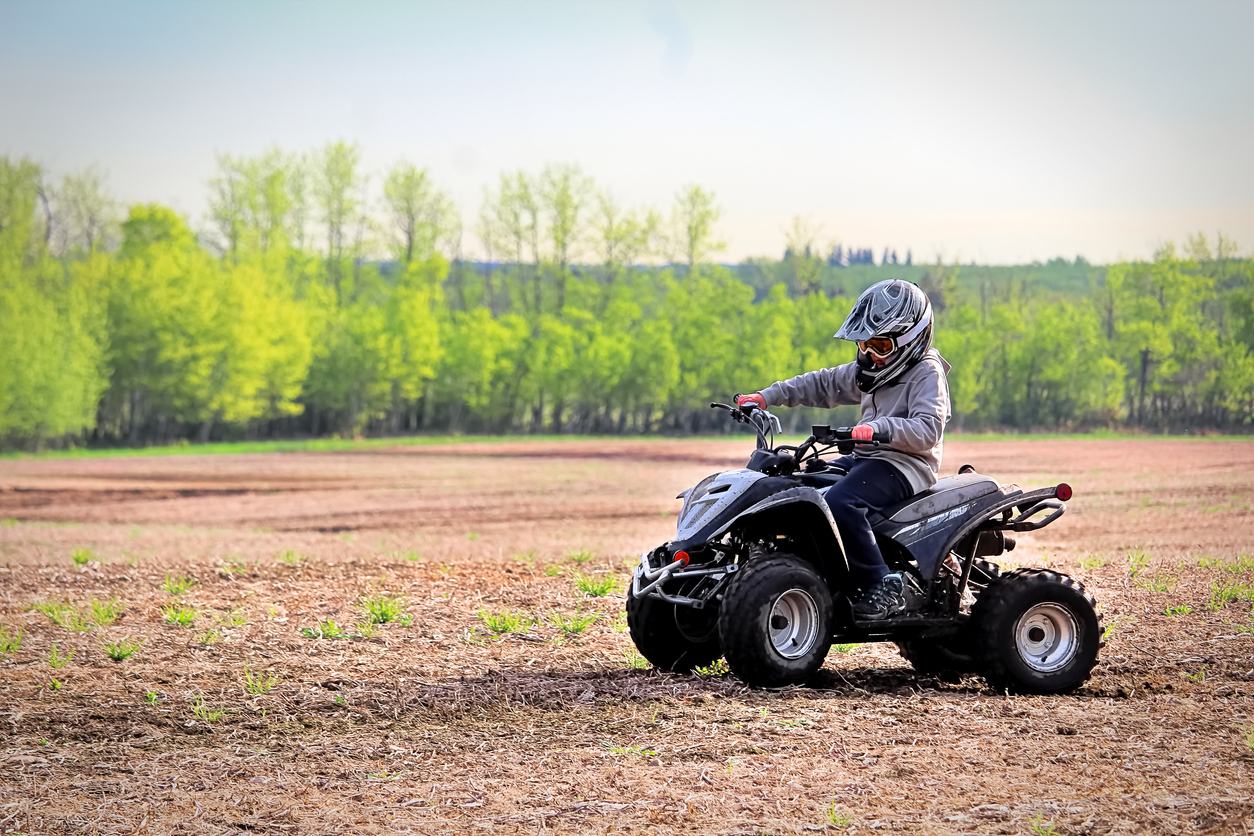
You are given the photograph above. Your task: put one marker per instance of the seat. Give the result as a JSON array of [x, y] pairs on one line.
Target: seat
[[947, 493]]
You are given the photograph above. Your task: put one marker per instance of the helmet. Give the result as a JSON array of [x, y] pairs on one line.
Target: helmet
[[892, 322]]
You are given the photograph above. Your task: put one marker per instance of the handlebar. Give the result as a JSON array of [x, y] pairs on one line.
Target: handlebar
[[762, 421], [846, 434]]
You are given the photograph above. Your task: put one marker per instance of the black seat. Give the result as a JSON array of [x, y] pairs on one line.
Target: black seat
[[949, 492], [946, 493]]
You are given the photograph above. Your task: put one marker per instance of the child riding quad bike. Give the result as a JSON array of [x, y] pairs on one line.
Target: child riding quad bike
[[757, 574]]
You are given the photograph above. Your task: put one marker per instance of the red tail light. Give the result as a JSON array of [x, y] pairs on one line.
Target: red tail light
[[682, 556], [1063, 491]]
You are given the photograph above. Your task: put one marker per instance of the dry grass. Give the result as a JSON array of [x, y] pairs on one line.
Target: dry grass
[[444, 726]]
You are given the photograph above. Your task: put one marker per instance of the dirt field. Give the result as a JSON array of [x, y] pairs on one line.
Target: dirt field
[[436, 724]]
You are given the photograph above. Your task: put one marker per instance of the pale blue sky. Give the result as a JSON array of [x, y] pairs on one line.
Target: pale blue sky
[[989, 131]]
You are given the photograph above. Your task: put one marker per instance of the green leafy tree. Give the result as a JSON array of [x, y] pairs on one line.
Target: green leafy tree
[[691, 238]]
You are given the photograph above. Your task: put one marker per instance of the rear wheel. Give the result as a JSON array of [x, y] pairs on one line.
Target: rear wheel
[[1038, 632], [672, 637], [776, 621]]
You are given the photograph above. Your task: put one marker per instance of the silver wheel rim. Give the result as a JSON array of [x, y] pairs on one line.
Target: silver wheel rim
[[794, 624], [1047, 637]]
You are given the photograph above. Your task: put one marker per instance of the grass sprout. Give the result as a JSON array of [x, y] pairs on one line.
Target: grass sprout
[[595, 587], [581, 556], [1198, 677], [209, 637], [1158, 583], [835, 817], [573, 625], [1181, 609], [290, 557], [327, 629], [82, 557], [122, 650], [1243, 564], [552, 570], [1111, 627], [233, 565], [57, 659], [9, 642], [1093, 561], [382, 609], [634, 660], [506, 621], [1138, 562], [845, 648], [234, 618], [1040, 827], [1227, 592], [203, 712], [259, 683], [716, 668], [1247, 734], [104, 613], [62, 614], [178, 614], [366, 630], [628, 750], [177, 584]]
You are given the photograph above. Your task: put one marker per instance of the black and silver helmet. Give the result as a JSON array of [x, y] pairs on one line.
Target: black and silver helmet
[[891, 320]]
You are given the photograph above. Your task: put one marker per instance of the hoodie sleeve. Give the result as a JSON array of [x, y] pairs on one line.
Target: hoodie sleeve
[[824, 388], [927, 412]]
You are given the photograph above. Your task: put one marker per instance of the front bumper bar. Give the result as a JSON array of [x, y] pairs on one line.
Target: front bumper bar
[[647, 581]]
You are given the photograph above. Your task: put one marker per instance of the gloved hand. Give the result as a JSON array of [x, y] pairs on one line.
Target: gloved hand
[[863, 432], [755, 398]]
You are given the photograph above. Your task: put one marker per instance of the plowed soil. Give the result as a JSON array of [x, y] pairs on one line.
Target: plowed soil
[[435, 723]]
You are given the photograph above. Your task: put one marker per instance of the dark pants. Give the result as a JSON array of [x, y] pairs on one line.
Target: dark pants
[[871, 484]]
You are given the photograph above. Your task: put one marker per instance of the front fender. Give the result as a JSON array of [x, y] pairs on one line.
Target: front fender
[[802, 514]]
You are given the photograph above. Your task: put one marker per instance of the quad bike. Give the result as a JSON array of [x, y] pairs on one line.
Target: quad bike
[[757, 574]]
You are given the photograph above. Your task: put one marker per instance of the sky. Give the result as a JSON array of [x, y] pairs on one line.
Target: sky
[[993, 132]]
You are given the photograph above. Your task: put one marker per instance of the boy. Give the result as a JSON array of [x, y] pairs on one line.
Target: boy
[[899, 380]]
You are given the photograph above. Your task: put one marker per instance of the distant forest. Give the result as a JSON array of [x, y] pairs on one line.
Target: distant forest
[[315, 301]]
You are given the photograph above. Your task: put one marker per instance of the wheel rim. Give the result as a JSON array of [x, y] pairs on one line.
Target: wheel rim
[[794, 624], [1047, 637]]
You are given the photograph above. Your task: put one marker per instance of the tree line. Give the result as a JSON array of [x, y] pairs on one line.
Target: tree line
[[313, 301]]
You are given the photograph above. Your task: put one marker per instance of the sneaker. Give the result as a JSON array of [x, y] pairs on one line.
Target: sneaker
[[887, 598]]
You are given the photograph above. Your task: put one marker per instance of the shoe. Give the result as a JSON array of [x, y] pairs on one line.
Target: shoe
[[884, 600]]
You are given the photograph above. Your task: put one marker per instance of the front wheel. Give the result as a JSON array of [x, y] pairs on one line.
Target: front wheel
[[776, 621], [1038, 632], [672, 637]]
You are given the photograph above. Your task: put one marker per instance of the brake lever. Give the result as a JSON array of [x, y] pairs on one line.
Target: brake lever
[[775, 424]]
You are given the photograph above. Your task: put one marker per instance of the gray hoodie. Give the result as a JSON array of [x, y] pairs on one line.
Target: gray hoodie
[[913, 410]]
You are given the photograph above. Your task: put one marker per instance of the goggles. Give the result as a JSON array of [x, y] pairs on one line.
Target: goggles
[[880, 348]]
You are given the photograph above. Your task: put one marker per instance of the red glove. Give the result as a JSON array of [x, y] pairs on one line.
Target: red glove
[[755, 398], [863, 432]]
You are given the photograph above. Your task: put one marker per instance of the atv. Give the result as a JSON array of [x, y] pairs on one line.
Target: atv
[[757, 574]]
